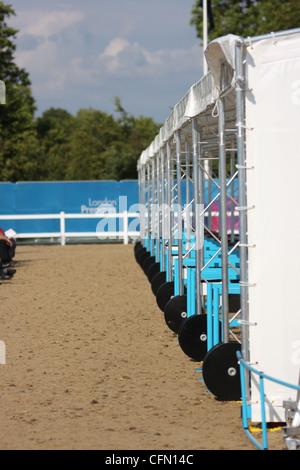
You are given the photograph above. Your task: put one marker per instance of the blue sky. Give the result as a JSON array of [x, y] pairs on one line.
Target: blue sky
[[81, 54]]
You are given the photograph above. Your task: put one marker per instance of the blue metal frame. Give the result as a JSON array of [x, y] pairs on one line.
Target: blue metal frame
[[245, 406]]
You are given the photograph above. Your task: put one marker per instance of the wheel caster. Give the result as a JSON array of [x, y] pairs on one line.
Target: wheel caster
[[137, 246], [143, 258], [192, 336], [158, 280], [147, 263], [221, 372], [176, 312], [152, 271], [164, 294], [139, 253]]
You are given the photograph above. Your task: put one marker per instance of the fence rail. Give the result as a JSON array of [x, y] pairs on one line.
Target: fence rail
[[63, 235], [261, 377]]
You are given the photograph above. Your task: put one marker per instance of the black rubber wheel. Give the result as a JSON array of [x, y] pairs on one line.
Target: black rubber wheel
[[137, 246], [147, 263], [176, 312], [158, 280], [221, 371], [152, 271], [143, 257], [192, 336], [139, 253], [164, 294], [137, 249]]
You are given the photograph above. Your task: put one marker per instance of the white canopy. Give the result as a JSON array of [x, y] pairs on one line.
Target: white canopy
[[221, 52], [201, 95]]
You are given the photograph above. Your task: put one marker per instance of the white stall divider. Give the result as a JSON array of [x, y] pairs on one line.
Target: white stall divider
[[273, 199]]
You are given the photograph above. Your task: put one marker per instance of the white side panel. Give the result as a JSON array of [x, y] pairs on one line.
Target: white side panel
[[273, 189]]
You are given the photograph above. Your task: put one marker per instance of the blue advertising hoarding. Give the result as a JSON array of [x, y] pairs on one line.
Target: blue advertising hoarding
[[72, 197]]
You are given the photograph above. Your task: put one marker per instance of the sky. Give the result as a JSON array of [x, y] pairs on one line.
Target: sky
[[81, 54]]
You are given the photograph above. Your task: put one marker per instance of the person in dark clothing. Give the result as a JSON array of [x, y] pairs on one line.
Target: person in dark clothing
[[7, 252], [4, 274]]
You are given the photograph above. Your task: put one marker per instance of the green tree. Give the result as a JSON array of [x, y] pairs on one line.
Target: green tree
[[248, 17], [19, 148], [93, 145], [54, 129], [135, 135], [94, 132]]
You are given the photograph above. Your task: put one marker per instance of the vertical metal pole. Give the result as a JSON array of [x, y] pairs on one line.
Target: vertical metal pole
[[197, 212], [188, 197], [240, 116], [179, 211], [153, 208], [145, 198], [62, 228], [210, 194], [158, 212], [169, 213], [163, 211], [148, 207], [140, 196], [204, 35], [201, 197], [173, 198], [232, 168], [223, 220], [142, 205]]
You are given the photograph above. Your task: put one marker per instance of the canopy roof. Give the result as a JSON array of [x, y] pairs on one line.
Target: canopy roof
[[200, 97], [203, 96]]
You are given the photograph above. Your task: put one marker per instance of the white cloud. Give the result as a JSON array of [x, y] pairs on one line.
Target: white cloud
[[53, 73], [44, 25], [38, 59], [46, 53], [83, 54], [123, 68], [115, 46], [122, 58]]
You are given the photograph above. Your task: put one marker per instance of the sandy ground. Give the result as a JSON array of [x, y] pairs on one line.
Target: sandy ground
[[91, 364]]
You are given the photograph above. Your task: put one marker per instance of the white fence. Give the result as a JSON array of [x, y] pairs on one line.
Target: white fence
[[125, 234]]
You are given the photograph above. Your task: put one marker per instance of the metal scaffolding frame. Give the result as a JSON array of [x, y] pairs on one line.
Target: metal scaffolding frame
[[200, 264]]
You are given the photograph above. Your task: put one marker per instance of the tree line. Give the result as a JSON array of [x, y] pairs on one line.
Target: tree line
[[95, 145], [58, 146], [92, 145], [246, 17]]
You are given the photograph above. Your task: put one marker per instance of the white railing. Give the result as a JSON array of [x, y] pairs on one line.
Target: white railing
[[124, 234]]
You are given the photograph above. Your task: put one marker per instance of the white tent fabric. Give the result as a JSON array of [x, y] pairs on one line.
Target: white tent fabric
[[273, 150], [200, 96], [218, 52]]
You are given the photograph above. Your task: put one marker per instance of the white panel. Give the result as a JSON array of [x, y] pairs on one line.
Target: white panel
[[273, 189]]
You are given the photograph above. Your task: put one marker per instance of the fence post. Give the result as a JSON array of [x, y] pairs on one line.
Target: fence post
[[125, 227], [62, 228]]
